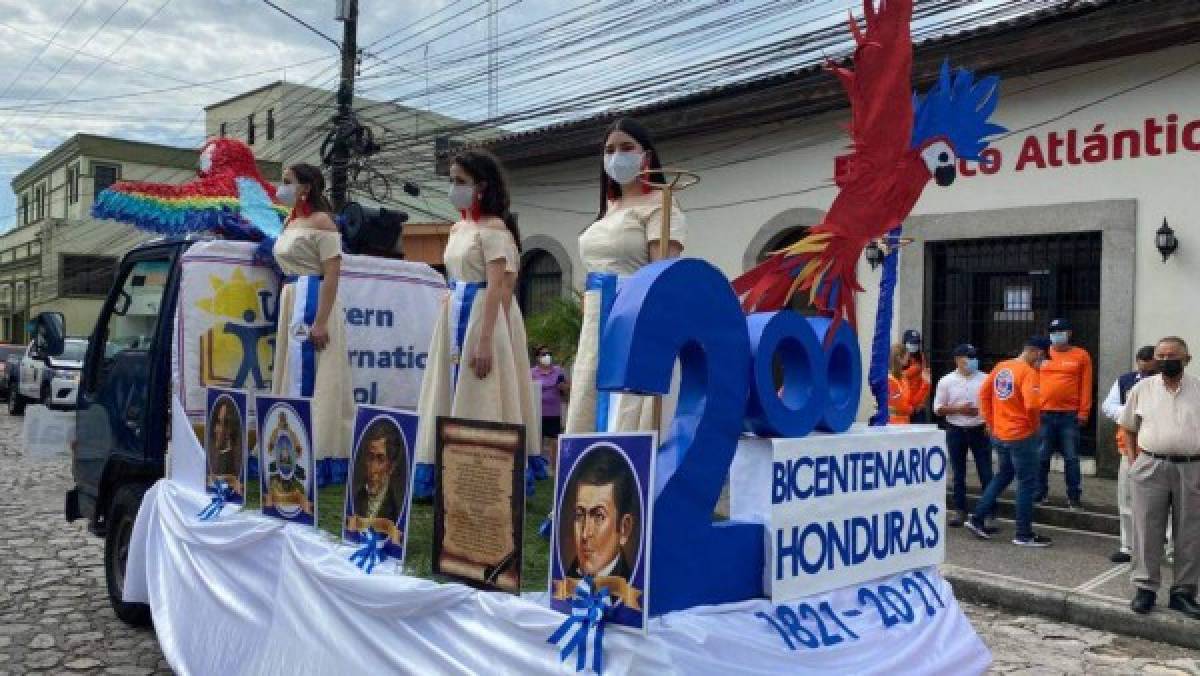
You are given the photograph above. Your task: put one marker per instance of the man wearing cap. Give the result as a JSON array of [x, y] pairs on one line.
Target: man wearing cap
[[1161, 421], [1009, 401], [957, 399], [1066, 385], [1112, 406], [916, 377]]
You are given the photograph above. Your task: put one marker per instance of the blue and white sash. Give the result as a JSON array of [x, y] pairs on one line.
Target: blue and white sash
[[605, 283], [302, 354], [462, 299]]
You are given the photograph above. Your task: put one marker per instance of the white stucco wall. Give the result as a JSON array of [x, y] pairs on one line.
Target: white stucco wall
[[749, 166]]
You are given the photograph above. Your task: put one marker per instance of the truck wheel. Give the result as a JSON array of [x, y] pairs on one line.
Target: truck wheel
[[16, 404], [116, 552]]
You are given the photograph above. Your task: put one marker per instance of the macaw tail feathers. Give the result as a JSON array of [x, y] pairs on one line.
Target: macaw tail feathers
[[822, 264], [171, 210]]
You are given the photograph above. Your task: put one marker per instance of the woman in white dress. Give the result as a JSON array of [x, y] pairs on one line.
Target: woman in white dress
[[478, 365], [624, 237], [310, 347]]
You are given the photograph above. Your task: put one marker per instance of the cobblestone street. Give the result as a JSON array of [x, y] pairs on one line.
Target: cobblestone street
[[55, 617]]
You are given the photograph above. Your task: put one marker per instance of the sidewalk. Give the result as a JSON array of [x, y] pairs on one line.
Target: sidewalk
[[1071, 581]]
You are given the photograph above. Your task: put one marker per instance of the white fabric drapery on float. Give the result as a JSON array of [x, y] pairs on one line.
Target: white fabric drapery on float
[[245, 594]]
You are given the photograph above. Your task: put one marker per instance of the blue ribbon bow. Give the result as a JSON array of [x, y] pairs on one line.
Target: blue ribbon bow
[[589, 609], [371, 552], [222, 493]]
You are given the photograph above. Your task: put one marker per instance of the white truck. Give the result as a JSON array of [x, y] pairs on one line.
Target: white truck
[[52, 381]]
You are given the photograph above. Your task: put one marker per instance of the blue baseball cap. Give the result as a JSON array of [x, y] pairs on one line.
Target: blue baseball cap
[[965, 350], [1040, 342], [1060, 324], [912, 336]]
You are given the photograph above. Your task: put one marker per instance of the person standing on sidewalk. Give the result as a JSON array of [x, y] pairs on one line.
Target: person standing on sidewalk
[[1010, 403], [906, 390], [957, 399], [917, 378], [1066, 382], [1161, 422], [1112, 407]]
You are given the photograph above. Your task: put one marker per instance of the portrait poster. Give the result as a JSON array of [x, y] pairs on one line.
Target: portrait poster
[[378, 489], [225, 436], [479, 503], [603, 504], [289, 481]]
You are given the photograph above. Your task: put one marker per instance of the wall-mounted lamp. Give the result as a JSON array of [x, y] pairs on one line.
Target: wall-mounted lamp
[[1165, 241], [874, 254]]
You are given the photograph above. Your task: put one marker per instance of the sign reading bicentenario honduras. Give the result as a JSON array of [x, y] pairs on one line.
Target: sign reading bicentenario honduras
[[843, 509]]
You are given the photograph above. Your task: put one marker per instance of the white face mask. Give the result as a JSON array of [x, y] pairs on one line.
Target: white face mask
[[462, 196], [545, 360], [912, 348], [972, 365], [1059, 337], [623, 167], [286, 194]]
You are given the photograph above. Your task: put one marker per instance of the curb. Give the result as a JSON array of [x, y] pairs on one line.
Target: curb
[[1075, 607]]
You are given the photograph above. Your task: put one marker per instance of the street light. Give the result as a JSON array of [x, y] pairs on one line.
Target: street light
[[1166, 241], [874, 254]]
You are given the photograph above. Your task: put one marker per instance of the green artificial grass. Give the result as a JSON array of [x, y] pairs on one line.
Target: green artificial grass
[[418, 559]]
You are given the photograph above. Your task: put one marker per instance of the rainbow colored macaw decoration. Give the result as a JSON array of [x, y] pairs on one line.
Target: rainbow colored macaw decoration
[[899, 142], [229, 198]]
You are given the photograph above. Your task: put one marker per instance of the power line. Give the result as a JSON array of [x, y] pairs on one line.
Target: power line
[[302, 22], [20, 74]]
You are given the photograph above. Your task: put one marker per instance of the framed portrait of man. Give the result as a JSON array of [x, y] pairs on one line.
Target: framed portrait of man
[[225, 442], [287, 463], [378, 490], [603, 504], [479, 503]]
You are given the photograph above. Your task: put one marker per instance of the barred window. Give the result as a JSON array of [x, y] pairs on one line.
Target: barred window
[[270, 123], [104, 175], [87, 275], [540, 282], [250, 129]]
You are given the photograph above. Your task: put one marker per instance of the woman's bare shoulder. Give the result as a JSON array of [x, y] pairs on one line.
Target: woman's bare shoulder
[[322, 221]]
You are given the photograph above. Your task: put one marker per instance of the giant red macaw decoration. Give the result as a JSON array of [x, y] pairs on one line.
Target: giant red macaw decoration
[[899, 142], [228, 198]]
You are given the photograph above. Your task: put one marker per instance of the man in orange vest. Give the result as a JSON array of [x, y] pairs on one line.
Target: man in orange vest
[[1010, 403], [1066, 381]]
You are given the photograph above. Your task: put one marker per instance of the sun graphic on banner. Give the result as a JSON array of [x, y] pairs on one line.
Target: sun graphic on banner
[[238, 349]]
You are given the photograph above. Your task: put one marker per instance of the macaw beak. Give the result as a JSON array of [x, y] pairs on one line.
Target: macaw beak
[[945, 175]]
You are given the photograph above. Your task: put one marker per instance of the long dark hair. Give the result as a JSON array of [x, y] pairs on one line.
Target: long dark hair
[[610, 188], [484, 168], [307, 174]]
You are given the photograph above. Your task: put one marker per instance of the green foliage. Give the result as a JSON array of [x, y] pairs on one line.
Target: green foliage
[[557, 327]]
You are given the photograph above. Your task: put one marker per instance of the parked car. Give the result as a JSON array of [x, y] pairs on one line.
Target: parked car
[[10, 360], [52, 381]]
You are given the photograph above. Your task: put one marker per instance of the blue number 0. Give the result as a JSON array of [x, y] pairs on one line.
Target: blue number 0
[[686, 309]]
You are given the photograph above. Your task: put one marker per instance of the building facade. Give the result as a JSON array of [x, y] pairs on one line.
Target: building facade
[[59, 258], [1059, 219], [288, 123]]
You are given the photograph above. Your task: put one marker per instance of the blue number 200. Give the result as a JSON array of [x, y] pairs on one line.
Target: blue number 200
[[686, 309]]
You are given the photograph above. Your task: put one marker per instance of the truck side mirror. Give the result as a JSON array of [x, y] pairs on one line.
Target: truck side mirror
[[50, 330]]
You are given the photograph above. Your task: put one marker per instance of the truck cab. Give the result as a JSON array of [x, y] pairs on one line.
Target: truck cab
[[124, 407]]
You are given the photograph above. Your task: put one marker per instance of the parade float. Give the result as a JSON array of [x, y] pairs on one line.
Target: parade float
[[828, 562]]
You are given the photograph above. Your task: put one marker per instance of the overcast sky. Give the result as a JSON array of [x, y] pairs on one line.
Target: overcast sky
[[69, 66]]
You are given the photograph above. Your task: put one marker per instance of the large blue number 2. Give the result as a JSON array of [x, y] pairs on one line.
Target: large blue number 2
[[685, 308]]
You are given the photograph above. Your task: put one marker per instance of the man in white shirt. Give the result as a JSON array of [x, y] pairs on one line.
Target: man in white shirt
[[1161, 422], [1113, 404], [957, 399]]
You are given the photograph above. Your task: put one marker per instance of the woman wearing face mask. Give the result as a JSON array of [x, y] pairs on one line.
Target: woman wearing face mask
[[310, 353], [905, 393], [917, 376], [478, 366], [624, 237], [553, 383]]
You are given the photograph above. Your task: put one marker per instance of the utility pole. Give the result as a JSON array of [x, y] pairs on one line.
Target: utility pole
[[493, 60], [347, 13]]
